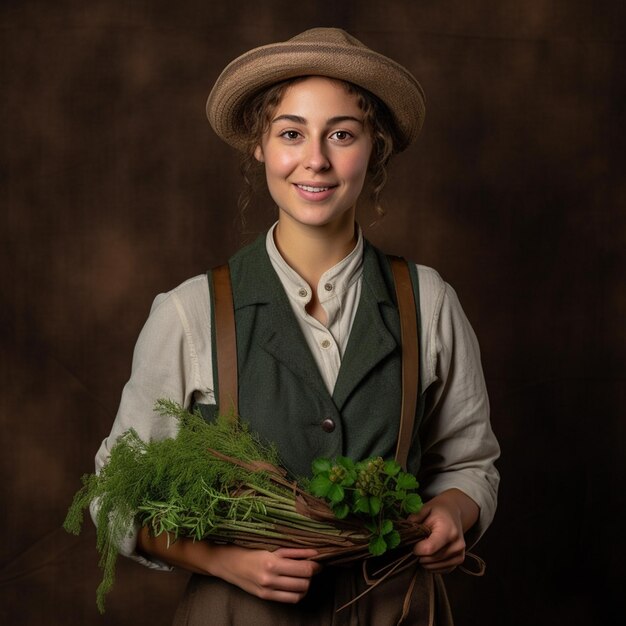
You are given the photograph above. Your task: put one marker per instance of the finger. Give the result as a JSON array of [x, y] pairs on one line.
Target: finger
[[439, 543], [298, 568], [271, 582], [435, 544], [447, 551], [296, 553], [296, 561], [449, 558], [441, 567], [267, 583]]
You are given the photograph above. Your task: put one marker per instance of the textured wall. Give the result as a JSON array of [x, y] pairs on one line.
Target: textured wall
[[114, 189]]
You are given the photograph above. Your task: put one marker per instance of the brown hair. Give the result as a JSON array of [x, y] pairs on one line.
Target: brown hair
[[256, 118]]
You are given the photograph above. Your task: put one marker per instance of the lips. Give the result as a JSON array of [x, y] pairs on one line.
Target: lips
[[314, 188], [314, 192]]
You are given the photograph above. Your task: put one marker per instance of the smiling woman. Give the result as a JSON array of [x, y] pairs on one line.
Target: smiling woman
[[373, 114], [316, 154], [319, 349]]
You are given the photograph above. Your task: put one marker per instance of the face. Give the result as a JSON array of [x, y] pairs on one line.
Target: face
[[316, 152]]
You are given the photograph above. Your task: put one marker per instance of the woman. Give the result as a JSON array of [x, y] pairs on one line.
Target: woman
[[317, 339]]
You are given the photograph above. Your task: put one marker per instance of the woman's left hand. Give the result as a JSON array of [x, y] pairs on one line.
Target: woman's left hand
[[448, 516]]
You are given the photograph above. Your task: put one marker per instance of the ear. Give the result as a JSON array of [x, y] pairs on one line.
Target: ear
[[258, 154]]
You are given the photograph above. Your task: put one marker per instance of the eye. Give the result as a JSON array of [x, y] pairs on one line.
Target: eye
[[342, 135], [290, 134]]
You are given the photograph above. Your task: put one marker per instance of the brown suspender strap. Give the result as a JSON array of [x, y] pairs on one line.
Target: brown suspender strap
[[226, 349], [410, 356], [225, 341]]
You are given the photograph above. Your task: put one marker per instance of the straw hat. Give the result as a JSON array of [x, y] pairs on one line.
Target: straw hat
[[328, 52]]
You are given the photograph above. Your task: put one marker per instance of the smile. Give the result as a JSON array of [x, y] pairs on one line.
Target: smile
[[312, 189]]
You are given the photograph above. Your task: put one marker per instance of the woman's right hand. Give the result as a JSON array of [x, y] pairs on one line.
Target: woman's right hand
[[283, 575]]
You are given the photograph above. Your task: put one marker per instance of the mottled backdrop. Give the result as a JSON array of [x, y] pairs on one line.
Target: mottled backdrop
[[115, 189]]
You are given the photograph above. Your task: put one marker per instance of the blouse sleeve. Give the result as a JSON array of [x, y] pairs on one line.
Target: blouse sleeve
[[459, 447], [165, 365]]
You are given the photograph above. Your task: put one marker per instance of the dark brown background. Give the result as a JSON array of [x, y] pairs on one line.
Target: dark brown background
[[115, 189]]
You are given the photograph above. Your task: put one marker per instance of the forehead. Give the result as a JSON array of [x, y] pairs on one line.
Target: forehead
[[319, 93]]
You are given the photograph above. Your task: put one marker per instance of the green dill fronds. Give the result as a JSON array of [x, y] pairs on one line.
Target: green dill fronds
[[172, 485]]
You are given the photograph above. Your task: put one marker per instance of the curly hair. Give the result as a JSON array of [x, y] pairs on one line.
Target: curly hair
[[256, 118]]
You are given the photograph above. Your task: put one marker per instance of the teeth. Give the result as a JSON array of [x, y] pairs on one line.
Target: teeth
[[313, 189]]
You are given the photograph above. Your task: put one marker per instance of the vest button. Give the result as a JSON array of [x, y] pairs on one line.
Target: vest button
[[328, 425]]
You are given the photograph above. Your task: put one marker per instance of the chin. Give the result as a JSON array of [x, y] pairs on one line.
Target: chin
[[318, 220]]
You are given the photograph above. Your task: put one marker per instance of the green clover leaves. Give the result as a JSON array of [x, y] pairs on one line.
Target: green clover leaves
[[375, 490]]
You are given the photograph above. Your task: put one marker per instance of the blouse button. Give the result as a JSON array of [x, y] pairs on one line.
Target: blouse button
[[325, 343], [328, 287], [302, 293], [328, 425]]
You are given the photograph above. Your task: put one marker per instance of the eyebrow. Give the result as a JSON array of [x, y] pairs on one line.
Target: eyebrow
[[297, 119]]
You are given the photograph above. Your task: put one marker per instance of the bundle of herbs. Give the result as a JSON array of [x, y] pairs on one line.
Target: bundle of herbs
[[218, 481]]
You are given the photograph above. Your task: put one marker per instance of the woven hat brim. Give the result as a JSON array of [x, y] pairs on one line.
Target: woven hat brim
[[267, 65]]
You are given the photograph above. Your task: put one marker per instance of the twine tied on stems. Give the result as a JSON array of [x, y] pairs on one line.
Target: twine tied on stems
[[399, 565]]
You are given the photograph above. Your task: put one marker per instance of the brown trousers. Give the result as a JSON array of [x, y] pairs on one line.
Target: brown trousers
[[211, 601]]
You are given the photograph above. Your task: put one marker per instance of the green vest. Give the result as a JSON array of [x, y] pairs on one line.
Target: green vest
[[282, 395]]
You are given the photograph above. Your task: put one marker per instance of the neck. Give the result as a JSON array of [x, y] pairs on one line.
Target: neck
[[311, 251]]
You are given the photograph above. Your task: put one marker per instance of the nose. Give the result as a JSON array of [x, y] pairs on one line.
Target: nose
[[316, 158]]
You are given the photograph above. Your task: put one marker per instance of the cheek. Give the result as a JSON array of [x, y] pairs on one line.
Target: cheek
[[280, 164], [355, 168]]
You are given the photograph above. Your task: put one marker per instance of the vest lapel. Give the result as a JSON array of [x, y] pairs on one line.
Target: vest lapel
[[277, 332], [289, 347], [370, 338]]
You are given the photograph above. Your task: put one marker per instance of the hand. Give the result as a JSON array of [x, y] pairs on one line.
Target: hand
[[448, 516], [283, 575]]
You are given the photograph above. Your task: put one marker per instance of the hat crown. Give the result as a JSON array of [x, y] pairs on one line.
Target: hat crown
[[327, 36]]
